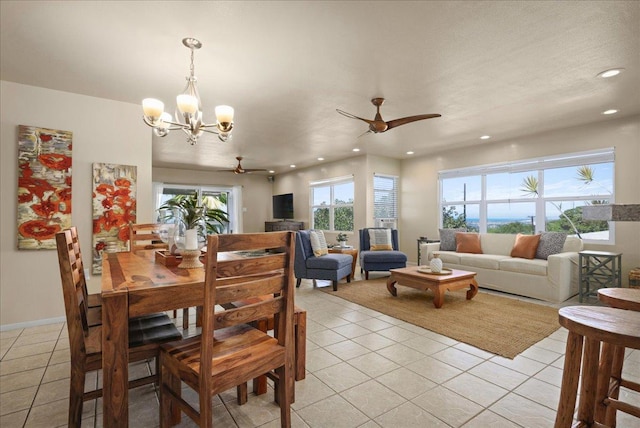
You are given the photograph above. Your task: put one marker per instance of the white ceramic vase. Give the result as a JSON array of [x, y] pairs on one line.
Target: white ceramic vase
[[436, 264]]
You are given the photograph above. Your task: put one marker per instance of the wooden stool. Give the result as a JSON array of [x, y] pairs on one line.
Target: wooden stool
[[621, 298], [590, 326]]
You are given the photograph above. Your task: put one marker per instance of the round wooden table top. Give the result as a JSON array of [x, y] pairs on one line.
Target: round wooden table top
[[622, 298], [604, 324]]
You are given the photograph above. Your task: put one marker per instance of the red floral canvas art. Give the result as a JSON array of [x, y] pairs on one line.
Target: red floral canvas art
[[44, 186], [114, 207]]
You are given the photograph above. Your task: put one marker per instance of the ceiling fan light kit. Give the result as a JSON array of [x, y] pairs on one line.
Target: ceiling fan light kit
[[378, 125], [188, 114]]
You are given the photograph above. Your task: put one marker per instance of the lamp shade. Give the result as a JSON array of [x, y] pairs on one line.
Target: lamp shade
[[224, 114], [152, 108], [165, 118], [187, 103]]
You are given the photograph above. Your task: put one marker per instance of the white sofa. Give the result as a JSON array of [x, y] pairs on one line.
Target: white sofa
[[553, 280]]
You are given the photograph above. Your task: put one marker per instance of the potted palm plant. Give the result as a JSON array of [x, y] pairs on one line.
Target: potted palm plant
[[191, 223], [191, 213]]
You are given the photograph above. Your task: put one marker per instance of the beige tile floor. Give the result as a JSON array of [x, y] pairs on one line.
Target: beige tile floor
[[364, 369]]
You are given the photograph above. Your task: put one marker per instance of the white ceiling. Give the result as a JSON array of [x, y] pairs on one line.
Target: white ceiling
[[503, 68]]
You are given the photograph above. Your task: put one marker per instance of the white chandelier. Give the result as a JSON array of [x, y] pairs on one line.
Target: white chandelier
[[188, 113]]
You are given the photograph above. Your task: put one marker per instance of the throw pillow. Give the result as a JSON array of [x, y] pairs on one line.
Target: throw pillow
[[380, 240], [550, 243], [448, 239], [318, 243], [525, 246], [468, 243]]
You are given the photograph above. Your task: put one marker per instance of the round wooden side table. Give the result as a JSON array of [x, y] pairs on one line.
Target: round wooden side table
[[621, 298]]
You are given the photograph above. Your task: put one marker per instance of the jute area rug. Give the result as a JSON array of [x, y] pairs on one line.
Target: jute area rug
[[500, 325]]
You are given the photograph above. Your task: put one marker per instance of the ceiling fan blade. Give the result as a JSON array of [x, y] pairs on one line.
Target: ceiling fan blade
[[404, 120], [349, 115], [253, 169], [369, 131]]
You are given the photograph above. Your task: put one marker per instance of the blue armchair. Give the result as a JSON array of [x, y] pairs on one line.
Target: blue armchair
[[380, 260], [331, 267]]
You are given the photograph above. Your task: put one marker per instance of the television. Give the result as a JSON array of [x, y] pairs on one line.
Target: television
[[283, 206]]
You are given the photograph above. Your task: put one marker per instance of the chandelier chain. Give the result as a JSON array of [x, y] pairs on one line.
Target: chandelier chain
[[192, 68]]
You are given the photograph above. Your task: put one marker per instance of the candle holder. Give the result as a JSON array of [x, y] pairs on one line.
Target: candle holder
[[190, 259], [190, 237]]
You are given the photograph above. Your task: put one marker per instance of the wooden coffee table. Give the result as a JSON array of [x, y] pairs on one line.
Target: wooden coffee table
[[410, 277]]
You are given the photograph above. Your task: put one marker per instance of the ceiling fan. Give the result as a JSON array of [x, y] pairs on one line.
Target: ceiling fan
[[240, 170], [378, 125]]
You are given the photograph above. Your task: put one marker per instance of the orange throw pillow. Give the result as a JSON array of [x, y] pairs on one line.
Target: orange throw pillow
[[525, 246], [468, 243]]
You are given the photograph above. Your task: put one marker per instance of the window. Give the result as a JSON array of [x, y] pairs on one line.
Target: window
[[545, 194], [332, 204], [222, 198], [385, 197]]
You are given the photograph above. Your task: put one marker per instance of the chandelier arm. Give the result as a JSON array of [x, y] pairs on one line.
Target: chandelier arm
[[208, 125], [175, 126], [147, 121], [210, 131]]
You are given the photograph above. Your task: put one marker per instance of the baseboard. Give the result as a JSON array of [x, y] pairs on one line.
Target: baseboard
[[35, 323]]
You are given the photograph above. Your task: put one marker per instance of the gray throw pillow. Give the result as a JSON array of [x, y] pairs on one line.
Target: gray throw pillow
[[550, 243], [448, 238]]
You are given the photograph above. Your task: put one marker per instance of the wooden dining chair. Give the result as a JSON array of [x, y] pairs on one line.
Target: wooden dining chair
[[94, 301], [299, 341], [145, 333], [230, 352], [145, 237]]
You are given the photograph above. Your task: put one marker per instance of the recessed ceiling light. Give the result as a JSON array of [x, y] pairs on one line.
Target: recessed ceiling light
[[292, 166], [356, 150], [320, 159], [271, 171], [485, 137], [610, 111], [409, 152], [610, 73]]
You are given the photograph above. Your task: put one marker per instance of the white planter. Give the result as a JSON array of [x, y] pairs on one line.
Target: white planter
[[436, 264]]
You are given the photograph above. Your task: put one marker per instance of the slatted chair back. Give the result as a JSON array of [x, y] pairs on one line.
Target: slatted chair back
[[229, 352], [82, 279], [230, 278], [74, 288], [145, 237]]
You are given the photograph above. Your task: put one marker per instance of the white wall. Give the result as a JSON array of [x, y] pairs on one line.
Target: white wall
[[419, 183], [361, 167], [103, 131], [256, 191]]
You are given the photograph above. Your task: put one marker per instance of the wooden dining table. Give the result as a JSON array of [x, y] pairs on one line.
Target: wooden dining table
[[134, 284]]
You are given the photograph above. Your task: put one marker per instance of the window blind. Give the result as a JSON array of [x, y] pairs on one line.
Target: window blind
[[385, 196]]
